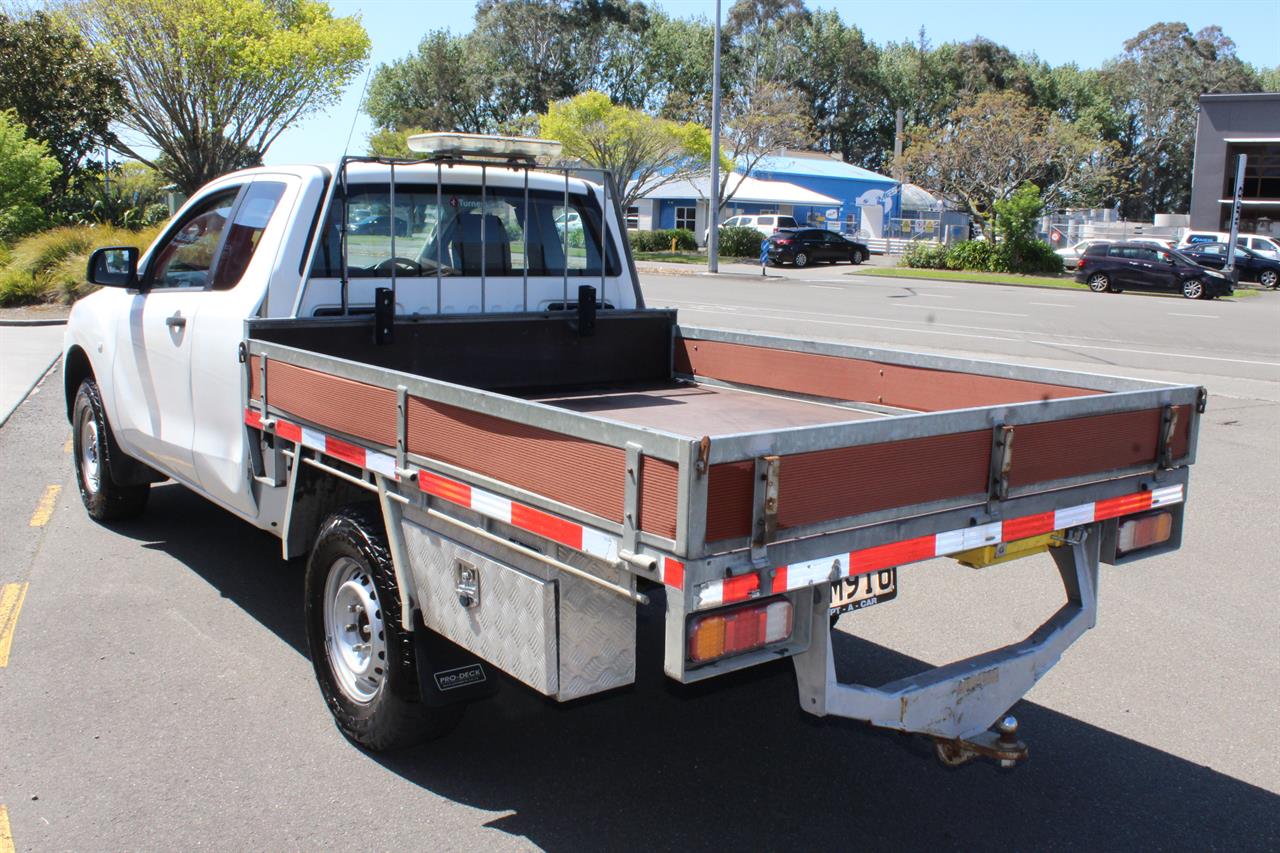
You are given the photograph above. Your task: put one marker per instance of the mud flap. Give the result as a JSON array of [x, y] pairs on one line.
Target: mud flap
[[447, 673]]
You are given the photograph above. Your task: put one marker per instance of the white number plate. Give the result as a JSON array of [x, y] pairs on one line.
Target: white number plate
[[862, 591]]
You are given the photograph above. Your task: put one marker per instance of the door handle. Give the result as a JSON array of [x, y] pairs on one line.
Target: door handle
[[177, 321]]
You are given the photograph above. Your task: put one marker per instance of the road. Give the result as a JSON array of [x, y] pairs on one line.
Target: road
[[158, 694]]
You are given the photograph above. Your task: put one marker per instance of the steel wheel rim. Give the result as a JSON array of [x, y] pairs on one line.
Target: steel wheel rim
[[1098, 283], [1193, 289], [90, 456], [354, 631]]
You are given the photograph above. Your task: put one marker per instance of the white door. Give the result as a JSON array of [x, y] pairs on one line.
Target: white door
[[152, 368]]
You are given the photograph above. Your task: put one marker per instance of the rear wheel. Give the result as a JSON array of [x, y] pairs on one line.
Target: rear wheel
[[364, 660], [802, 259], [94, 447], [1269, 278], [1193, 288], [1099, 282], [855, 257]]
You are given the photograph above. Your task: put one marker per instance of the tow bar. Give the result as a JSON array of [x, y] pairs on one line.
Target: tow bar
[[1001, 746]]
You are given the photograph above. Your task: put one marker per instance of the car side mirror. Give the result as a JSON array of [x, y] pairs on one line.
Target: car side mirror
[[116, 266]]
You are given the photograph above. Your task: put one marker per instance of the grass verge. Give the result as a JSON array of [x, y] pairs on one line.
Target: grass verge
[[972, 277]]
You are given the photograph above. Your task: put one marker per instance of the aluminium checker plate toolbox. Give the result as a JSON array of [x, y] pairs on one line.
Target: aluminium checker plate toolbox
[[561, 635]]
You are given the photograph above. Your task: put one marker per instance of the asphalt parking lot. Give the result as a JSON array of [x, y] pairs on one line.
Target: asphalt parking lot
[[158, 695]]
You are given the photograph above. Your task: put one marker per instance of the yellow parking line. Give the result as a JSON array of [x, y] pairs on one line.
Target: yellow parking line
[[6, 834], [66, 448], [44, 509], [11, 597]]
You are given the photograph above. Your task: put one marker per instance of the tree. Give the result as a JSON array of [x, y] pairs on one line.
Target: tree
[[758, 122], [439, 87], [65, 94], [997, 142], [212, 83], [26, 175], [642, 152], [1156, 85]]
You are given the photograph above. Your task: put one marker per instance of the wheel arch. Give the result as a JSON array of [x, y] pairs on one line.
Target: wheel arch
[[76, 368]]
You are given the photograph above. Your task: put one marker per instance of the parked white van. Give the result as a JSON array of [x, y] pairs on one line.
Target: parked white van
[[767, 224], [1260, 243]]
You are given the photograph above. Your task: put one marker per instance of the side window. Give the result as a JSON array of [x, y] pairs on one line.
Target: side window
[[251, 218], [766, 220], [1145, 254], [188, 255], [1212, 250], [1115, 252]]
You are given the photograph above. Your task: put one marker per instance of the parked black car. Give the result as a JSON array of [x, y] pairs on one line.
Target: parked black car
[[804, 246], [1251, 265], [1113, 267]]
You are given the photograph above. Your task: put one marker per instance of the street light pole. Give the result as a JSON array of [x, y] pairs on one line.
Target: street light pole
[[713, 219], [1241, 161]]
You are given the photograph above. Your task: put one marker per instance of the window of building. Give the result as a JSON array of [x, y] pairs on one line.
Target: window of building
[[633, 216], [686, 217], [1261, 170]]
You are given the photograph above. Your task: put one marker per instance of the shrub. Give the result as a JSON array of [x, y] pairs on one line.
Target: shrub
[[970, 255], [928, 256], [50, 266], [1028, 258], [660, 240], [739, 242]]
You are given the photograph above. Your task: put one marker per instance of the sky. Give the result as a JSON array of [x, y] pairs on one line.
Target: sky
[[1086, 32]]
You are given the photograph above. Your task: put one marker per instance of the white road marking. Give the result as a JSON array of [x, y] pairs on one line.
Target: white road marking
[[965, 310], [824, 287], [1202, 316], [1053, 304], [1154, 352], [881, 325], [936, 295]]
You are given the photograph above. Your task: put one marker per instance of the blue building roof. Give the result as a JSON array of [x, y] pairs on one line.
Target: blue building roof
[[823, 167]]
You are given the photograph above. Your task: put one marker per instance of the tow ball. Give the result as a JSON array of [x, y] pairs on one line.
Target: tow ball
[[1000, 745]]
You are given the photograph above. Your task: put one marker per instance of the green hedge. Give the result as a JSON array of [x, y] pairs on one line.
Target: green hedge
[[739, 242], [660, 241], [50, 266], [1026, 257]]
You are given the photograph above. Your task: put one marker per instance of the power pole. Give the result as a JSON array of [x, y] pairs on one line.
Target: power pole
[[897, 147], [713, 218]]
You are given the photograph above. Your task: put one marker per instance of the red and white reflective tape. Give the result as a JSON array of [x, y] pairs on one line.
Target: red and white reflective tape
[[798, 575], [335, 447], [568, 533]]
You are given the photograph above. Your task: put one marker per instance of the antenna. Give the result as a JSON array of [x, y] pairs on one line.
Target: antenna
[[355, 118]]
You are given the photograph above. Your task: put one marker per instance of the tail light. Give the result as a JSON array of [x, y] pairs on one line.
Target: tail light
[[1143, 531], [740, 629], [781, 241], [1080, 264]]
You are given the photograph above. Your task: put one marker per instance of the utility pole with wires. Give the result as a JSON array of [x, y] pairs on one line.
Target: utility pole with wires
[[713, 218]]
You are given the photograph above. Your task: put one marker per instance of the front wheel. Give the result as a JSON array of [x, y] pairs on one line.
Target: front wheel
[[802, 259], [855, 257], [364, 660], [1269, 278], [1099, 282], [1193, 288], [93, 447]]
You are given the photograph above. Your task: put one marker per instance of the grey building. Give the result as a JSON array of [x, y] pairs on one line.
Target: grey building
[[1229, 125]]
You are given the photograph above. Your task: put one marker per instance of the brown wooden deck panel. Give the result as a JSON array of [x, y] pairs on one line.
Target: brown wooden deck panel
[[915, 388]]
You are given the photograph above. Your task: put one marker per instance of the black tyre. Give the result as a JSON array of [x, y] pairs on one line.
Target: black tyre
[[93, 448], [1193, 288], [1099, 282], [855, 257], [363, 659], [802, 259], [1269, 278]]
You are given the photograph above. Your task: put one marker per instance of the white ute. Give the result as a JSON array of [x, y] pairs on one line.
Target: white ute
[[439, 381]]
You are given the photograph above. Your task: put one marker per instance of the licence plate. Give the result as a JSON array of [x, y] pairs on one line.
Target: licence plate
[[861, 591]]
